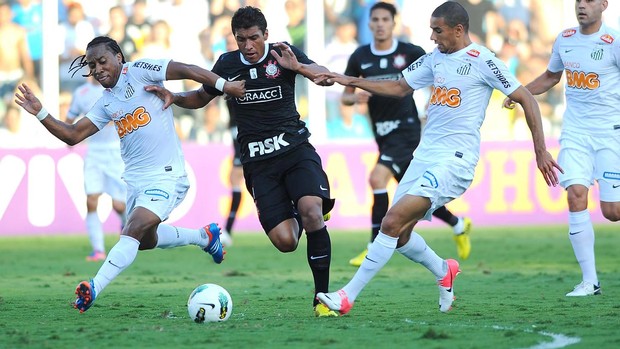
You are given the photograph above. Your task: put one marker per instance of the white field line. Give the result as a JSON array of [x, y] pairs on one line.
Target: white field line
[[558, 340]]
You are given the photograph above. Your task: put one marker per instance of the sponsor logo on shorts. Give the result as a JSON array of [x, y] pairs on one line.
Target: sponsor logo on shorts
[[385, 127], [157, 193]]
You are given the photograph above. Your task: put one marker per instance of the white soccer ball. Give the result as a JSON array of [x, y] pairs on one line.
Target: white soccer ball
[[209, 303]]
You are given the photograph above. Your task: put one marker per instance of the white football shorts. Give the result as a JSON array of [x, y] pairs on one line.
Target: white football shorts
[[441, 182], [588, 158], [103, 170], [159, 195]]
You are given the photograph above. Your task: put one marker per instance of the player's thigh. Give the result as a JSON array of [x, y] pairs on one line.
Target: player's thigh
[[94, 177], [607, 169], [268, 190], [159, 195], [440, 182], [576, 157]]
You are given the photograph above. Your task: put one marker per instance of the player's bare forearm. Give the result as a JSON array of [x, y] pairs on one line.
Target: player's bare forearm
[[71, 134], [398, 88], [192, 99], [311, 71], [544, 82]]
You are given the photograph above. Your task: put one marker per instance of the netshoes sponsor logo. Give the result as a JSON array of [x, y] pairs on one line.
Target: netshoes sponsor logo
[[261, 95], [498, 73]]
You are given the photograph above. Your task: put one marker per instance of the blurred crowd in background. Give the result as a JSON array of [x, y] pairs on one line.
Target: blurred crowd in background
[[520, 32]]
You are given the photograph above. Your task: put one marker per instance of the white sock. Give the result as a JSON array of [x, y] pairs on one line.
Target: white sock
[[169, 236], [459, 227], [95, 231], [379, 253], [120, 257], [581, 236], [418, 251]]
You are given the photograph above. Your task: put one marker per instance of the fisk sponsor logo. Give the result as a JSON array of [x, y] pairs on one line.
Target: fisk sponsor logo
[[498, 73], [261, 95], [450, 97], [267, 146], [132, 121], [582, 80]]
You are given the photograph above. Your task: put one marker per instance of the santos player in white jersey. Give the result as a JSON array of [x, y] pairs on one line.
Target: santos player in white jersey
[[590, 139], [154, 164], [103, 168], [462, 75]]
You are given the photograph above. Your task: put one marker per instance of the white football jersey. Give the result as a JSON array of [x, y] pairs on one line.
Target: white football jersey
[[150, 146], [592, 67], [83, 100], [462, 83]]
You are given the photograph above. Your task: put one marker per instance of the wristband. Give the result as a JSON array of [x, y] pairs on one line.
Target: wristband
[[219, 84], [42, 114]]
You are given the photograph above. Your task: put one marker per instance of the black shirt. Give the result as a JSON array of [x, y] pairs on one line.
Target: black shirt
[[266, 116], [387, 113]]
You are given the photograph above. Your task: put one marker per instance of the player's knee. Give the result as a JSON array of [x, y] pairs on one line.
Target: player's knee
[[391, 226], [286, 245], [611, 212]]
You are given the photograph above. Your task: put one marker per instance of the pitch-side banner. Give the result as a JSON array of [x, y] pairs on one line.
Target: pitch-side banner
[[42, 192]]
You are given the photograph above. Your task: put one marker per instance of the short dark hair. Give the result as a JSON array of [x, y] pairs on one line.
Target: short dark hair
[[453, 14], [80, 61], [384, 6], [248, 17]]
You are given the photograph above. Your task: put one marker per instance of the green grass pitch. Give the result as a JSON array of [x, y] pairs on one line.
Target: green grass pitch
[[510, 294]]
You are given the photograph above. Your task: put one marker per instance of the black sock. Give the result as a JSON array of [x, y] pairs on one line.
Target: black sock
[[446, 216], [379, 209], [234, 207], [319, 258]]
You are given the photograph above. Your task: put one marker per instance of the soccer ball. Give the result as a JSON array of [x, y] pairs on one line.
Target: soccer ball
[[209, 303]]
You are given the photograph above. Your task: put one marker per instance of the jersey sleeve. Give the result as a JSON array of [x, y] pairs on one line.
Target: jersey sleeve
[[98, 115], [496, 74], [353, 66], [217, 69], [419, 74], [301, 56], [555, 62], [150, 71]]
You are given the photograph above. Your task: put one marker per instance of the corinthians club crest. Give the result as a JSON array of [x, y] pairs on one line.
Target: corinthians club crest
[[271, 69]]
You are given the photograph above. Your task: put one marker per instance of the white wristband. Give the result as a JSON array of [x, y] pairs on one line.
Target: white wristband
[[42, 114], [219, 84]]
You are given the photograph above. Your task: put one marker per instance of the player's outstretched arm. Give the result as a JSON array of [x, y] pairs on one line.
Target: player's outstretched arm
[[178, 71], [289, 61], [68, 133], [189, 100], [392, 88], [545, 162], [543, 83]]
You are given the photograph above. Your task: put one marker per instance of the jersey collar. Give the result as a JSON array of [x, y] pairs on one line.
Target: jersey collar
[[244, 61], [376, 52]]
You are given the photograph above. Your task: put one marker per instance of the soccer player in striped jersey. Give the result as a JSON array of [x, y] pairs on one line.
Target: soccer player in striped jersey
[[462, 75]]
